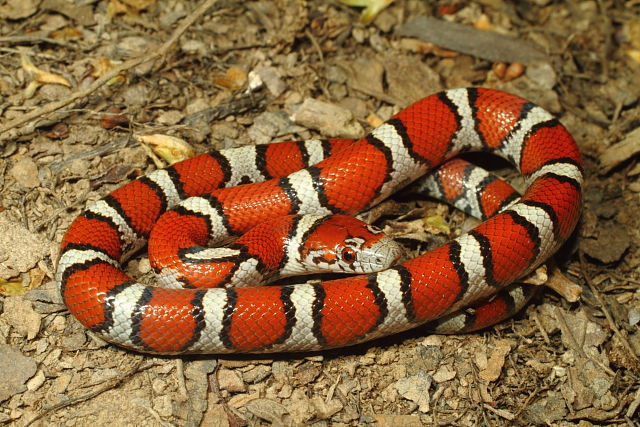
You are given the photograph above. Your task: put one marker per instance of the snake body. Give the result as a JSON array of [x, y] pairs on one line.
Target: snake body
[[190, 195]]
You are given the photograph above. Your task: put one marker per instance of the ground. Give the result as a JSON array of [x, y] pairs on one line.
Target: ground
[[80, 83]]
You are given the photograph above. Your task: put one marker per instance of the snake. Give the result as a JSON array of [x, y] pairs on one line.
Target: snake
[[216, 193]]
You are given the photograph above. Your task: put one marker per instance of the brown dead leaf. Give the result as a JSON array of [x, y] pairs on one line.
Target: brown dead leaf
[[234, 79], [102, 65], [113, 117], [138, 4], [39, 77], [59, 131], [66, 33], [130, 9], [169, 148]]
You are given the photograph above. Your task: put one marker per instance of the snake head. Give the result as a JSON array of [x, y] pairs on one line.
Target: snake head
[[343, 244]]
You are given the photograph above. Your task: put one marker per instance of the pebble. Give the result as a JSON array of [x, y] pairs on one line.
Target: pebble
[[25, 172], [336, 74], [15, 370], [269, 410], [269, 125], [416, 389], [53, 92], [612, 242], [170, 117], [163, 405], [326, 410], [36, 381], [331, 120], [194, 47], [230, 380], [136, 95], [272, 81], [543, 74], [19, 313], [256, 374]]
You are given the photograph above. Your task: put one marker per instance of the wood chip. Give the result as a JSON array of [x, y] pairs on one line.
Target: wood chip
[[620, 152]]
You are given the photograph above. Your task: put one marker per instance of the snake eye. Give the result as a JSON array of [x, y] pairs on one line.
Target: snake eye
[[348, 255]]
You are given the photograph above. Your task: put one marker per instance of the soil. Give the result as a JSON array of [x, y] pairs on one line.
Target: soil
[[235, 77]]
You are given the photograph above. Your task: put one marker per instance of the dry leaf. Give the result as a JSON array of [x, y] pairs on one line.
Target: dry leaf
[[39, 77], [66, 33], [234, 79], [169, 148], [20, 285], [113, 117], [59, 131], [138, 4], [436, 224], [102, 65]]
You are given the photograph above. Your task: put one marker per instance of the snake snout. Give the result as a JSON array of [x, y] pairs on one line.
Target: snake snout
[[383, 254]]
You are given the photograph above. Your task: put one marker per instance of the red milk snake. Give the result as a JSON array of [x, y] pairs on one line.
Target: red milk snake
[[338, 312]]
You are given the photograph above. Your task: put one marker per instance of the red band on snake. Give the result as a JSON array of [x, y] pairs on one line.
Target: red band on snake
[[338, 312]]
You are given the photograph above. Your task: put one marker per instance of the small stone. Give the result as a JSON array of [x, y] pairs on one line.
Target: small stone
[[74, 341], [136, 95], [25, 172], [268, 410], [385, 21], [331, 120], [301, 409], [306, 373], [336, 74], [15, 370], [326, 410], [634, 186], [60, 384], [272, 80], [19, 313], [416, 389], [410, 80], [36, 381], [21, 249], [384, 420], [543, 74], [546, 411], [256, 374], [52, 92], [230, 380], [634, 316], [270, 124], [197, 105], [163, 405], [215, 416], [430, 356], [170, 117], [144, 266], [612, 242], [444, 373], [194, 47]]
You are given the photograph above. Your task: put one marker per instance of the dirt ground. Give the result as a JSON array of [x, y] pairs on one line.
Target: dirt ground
[[74, 101]]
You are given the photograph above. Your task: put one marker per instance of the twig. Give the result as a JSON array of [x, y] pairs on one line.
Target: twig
[[110, 385], [389, 99], [34, 39], [127, 65], [315, 44]]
